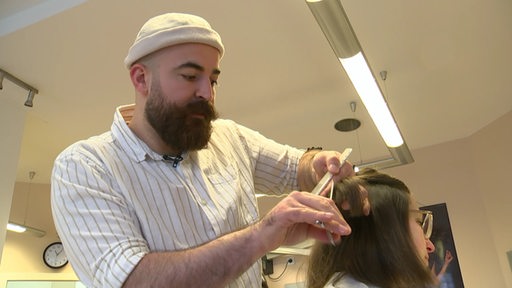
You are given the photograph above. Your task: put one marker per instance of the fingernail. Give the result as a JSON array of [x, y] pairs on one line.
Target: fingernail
[[345, 230]]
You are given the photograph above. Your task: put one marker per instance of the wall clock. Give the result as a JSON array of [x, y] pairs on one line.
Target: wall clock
[[54, 256]]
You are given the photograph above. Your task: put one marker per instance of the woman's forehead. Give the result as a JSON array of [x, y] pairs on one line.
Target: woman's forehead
[[413, 203]]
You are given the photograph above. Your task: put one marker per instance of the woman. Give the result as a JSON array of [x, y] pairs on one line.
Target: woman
[[387, 248]]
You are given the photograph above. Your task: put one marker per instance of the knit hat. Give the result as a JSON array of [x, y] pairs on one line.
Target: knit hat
[[171, 29]]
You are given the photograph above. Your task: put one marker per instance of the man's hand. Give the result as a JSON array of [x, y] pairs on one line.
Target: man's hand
[[329, 161], [294, 219]]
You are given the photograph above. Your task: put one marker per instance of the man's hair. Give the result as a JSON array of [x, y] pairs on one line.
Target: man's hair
[[380, 250]]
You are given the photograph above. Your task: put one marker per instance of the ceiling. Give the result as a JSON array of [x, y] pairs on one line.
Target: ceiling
[[448, 65]]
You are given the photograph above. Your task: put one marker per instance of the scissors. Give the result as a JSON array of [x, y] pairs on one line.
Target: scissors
[[323, 183]]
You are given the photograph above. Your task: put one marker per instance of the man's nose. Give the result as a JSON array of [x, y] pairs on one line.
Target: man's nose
[[205, 90]]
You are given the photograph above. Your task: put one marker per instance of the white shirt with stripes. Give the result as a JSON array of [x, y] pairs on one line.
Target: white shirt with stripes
[[114, 199]]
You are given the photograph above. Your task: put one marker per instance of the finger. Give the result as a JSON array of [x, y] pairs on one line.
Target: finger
[[318, 220], [315, 205], [313, 208], [346, 170], [336, 229], [327, 190], [317, 202], [320, 235], [345, 205], [366, 206], [366, 201], [333, 227], [333, 163]]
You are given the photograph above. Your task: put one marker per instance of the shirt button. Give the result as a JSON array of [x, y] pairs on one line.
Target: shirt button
[[202, 202]]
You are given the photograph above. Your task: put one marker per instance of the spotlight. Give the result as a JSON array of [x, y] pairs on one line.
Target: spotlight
[[31, 90], [30, 98]]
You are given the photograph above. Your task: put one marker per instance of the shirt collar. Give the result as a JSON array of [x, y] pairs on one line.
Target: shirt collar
[[133, 146]]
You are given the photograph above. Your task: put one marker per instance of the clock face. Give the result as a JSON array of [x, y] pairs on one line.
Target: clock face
[[54, 255]]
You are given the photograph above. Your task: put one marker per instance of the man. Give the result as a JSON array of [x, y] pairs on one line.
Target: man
[[167, 197]]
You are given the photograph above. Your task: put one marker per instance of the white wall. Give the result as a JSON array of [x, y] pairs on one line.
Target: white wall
[[12, 124]]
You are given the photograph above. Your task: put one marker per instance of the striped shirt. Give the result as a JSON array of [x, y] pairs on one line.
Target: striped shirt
[[114, 199]]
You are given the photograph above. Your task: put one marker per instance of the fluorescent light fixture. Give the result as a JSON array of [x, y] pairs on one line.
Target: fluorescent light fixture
[[334, 23], [11, 226], [367, 88], [16, 228]]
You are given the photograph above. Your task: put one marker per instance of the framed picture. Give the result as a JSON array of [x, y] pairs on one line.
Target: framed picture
[[444, 262]]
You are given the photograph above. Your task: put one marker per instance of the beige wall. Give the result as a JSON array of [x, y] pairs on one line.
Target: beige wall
[[492, 152]]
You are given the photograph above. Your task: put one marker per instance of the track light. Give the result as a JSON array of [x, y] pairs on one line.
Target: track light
[[31, 90], [30, 98]]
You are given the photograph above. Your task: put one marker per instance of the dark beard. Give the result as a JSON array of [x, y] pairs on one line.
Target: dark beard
[[176, 126]]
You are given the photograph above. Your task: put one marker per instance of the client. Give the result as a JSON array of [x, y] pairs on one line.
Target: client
[[388, 248]]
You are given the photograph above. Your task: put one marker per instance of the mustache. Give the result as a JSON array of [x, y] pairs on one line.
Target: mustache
[[200, 107]]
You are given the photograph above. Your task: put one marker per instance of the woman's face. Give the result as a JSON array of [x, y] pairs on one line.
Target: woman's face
[[423, 245]]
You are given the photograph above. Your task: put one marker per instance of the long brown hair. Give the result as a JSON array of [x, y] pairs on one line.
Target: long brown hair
[[380, 250]]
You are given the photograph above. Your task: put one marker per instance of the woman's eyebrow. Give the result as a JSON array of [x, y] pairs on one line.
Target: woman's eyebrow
[[196, 66]]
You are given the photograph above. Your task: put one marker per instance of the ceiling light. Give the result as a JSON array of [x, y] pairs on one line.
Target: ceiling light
[[334, 23], [11, 226], [16, 227], [362, 78], [30, 98], [348, 124], [31, 90]]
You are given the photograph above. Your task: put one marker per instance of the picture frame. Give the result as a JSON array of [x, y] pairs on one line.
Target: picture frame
[[444, 261]]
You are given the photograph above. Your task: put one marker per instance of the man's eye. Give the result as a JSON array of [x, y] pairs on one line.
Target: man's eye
[[214, 83], [189, 77]]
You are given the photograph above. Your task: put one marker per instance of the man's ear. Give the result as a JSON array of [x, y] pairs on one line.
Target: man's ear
[[140, 76]]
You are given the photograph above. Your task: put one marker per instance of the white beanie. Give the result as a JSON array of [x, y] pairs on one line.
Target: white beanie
[[171, 29]]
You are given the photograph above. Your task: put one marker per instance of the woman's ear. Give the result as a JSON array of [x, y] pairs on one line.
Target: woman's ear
[[139, 74]]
